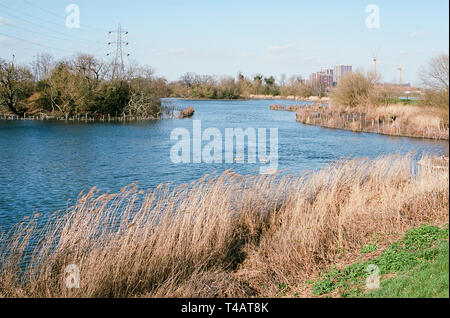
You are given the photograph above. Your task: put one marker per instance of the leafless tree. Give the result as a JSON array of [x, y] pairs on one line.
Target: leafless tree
[[436, 76], [15, 85]]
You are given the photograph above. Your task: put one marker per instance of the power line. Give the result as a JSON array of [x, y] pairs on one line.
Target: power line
[[34, 43], [44, 45], [41, 34], [44, 27], [96, 29]]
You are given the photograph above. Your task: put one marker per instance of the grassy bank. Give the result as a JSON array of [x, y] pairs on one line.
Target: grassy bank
[[223, 236], [414, 266], [396, 120]]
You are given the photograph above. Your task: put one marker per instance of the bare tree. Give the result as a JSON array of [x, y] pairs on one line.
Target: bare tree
[[435, 80], [436, 77], [63, 89], [15, 86]]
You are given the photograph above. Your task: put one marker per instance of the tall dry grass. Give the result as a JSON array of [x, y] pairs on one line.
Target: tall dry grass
[[222, 236]]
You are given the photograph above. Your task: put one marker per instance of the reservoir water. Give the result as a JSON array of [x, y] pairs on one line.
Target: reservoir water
[[43, 164]]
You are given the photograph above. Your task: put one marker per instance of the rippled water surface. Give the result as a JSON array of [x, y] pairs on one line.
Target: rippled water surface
[[43, 164]]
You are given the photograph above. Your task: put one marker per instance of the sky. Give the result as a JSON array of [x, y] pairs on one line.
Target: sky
[[225, 37]]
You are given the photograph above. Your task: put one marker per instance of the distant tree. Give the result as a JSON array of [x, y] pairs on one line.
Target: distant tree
[[354, 90], [257, 84], [63, 89], [436, 76], [270, 81], [16, 84], [435, 80]]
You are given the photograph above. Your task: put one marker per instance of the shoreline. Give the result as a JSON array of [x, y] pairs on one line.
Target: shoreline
[[375, 132], [259, 97], [390, 121]]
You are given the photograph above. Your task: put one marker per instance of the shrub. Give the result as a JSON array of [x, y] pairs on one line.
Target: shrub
[[354, 90]]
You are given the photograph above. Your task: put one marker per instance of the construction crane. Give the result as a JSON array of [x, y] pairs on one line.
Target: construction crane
[[400, 69], [375, 56]]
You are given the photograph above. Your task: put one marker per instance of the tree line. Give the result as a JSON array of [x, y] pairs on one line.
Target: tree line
[[192, 85], [84, 85]]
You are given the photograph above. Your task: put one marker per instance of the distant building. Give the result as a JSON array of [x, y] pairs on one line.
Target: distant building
[[321, 80], [329, 72], [340, 71]]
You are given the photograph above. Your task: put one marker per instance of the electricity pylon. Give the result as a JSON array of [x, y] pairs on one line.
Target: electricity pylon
[[118, 66]]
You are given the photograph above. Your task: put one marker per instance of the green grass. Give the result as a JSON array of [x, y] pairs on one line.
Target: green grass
[[429, 280], [418, 263], [369, 248]]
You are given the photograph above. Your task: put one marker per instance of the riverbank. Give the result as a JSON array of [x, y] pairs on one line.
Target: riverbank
[[224, 236], [393, 120], [79, 118], [167, 112], [315, 99], [412, 265], [264, 97]]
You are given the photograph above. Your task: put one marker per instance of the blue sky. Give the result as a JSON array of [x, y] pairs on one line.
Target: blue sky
[[224, 37]]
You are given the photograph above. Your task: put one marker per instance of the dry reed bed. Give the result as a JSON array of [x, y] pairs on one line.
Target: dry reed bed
[[291, 108], [222, 236], [397, 120]]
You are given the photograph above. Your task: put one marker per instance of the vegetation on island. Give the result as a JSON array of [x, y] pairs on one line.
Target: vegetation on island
[[358, 90], [81, 85], [358, 103], [85, 86]]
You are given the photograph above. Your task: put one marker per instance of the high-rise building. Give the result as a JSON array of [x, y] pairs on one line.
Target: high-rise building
[[340, 71], [321, 80]]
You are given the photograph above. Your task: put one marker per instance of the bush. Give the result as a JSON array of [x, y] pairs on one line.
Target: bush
[[354, 90]]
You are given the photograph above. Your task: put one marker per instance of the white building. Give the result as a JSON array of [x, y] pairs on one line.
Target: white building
[[340, 71]]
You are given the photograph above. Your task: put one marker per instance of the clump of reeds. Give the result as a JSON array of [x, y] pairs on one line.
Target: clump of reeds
[[222, 236], [289, 108], [186, 112], [277, 106]]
